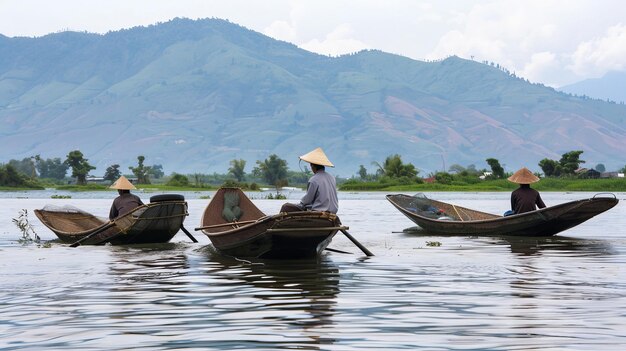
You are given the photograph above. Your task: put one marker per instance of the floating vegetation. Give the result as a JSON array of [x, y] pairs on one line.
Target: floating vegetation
[[204, 197], [433, 243], [55, 196], [277, 196], [28, 233]]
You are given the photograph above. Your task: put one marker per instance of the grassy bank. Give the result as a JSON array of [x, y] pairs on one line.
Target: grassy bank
[[546, 184]]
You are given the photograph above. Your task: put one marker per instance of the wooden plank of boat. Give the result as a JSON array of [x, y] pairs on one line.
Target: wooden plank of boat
[[156, 222], [443, 218], [253, 234]]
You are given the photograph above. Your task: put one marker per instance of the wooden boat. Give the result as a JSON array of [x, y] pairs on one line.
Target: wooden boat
[[156, 222], [438, 217], [251, 233]]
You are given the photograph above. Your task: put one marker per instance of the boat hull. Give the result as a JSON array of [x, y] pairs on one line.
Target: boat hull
[[294, 235], [285, 235], [152, 223], [543, 222]]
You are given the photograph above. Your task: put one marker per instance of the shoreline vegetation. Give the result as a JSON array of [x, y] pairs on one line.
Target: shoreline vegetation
[[495, 185], [546, 184], [272, 176]]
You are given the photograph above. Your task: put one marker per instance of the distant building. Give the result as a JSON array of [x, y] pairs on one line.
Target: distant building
[[96, 180], [429, 180], [611, 175], [587, 173], [485, 175]]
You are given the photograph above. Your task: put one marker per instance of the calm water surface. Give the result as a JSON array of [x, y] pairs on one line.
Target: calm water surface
[[566, 292]]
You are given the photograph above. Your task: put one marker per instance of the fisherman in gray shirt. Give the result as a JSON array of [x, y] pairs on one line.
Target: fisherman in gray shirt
[[321, 193]]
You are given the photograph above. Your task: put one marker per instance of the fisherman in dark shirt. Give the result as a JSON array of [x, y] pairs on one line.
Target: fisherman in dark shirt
[[321, 192], [126, 201], [524, 198]]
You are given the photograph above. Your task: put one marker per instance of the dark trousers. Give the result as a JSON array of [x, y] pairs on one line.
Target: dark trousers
[[289, 207]]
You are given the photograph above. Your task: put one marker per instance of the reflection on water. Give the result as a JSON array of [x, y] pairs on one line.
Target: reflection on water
[[282, 302], [566, 292]]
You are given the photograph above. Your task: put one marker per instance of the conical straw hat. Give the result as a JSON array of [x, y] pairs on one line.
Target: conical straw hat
[[317, 157], [122, 184], [523, 176]]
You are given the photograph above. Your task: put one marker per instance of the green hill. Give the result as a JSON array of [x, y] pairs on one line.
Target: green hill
[[193, 95]]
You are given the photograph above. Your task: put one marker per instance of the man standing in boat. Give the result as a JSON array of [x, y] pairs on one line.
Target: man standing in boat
[[321, 191], [524, 198], [126, 201]]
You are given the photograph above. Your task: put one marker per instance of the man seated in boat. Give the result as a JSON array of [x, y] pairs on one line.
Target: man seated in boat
[[524, 199], [126, 201], [321, 191]]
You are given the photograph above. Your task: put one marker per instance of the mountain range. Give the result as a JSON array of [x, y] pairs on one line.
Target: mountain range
[[611, 87], [192, 95]]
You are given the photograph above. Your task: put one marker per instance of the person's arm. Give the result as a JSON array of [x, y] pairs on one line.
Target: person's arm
[[513, 202], [113, 212], [539, 202], [308, 198]]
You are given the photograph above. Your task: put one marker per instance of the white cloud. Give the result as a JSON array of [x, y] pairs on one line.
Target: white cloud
[[537, 39], [338, 42], [596, 57], [281, 30], [585, 37], [543, 66]]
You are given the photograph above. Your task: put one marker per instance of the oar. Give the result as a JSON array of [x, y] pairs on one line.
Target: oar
[[78, 242], [182, 227], [225, 224], [358, 244], [335, 250]]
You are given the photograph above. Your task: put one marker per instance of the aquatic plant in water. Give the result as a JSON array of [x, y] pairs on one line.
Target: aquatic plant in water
[[28, 232]]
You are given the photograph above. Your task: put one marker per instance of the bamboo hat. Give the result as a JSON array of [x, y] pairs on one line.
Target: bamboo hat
[[317, 157], [523, 176], [122, 184]]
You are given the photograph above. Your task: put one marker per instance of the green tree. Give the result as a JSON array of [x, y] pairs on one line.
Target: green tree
[[380, 170], [273, 170], [570, 162], [141, 171], [112, 173], [237, 169], [298, 177], [443, 177], [178, 180], [51, 168], [550, 168], [394, 168], [496, 169], [156, 171], [458, 169], [197, 179], [79, 165], [600, 167], [362, 172], [471, 169], [26, 166], [623, 170], [9, 176]]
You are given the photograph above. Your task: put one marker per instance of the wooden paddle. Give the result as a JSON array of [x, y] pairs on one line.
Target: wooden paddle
[[188, 234], [358, 244], [225, 224], [107, 226]]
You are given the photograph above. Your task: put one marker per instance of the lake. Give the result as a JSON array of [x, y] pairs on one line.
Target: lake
[[566, 292]]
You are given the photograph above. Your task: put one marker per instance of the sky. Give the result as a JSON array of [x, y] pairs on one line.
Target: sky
[[554, 42]]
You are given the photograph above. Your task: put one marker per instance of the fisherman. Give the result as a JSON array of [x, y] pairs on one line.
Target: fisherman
[[126, 201], [524, 199], [321, 191]]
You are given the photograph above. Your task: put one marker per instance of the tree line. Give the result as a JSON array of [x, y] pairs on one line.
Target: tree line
[[272, 171]]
